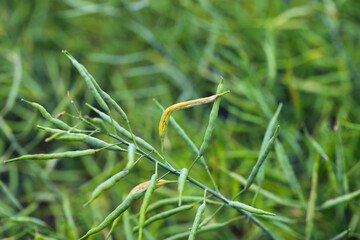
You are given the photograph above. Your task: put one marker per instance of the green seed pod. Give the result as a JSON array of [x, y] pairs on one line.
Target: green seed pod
[[211, 227], [50, 130], [101, 96], [181, 182], [105, 186], [88, 79], [127, 226], [69, 154], [197, 221], [95, 142], [113, 226], [107, 97], [115, 214], [249, 208], [47, 116], [174, 201], [270, 128], [70, 137], [112, 102], [146, 202], [98, 122], [139, 188], [131, 156], [206, 221], [261, 160], [56, 135], [339, 200], [92, 141], [27, 220], [164, 215], [212, 119], [124, 132]]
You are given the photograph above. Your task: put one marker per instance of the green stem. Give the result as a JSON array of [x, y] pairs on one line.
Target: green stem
[[198, 184], [193, 181]]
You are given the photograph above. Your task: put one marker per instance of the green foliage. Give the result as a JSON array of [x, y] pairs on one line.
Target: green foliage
[[299, 53]]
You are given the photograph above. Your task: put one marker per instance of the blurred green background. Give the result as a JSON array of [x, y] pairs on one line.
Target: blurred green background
[[304, 54]]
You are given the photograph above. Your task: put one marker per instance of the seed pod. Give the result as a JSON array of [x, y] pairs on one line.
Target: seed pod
[[27, 220], [193, 148], [114, 104], [101, 96], [261, 160], [92, 141], [145, 204], [212, 120], [95, 142], [181, 182], [190, 144], [47, 116], [145, 185], [86, 75], [174, 201], [211, 227], [249, 208], [105, 186], [182, 105], [107, 97], [341, 199], [127, 226], [116, 213], [164, 215], [113, 226], [134, 194], [197, 221], [69, 154], [67, 137], [124, 132], [131, 157], [140, 187], [270, 128], [98, 122]]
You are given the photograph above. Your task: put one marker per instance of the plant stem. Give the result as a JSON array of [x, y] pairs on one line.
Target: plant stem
[[198, 184]]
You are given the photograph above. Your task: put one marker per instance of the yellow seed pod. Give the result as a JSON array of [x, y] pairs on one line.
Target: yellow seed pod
[[145, 185], [166, 115]]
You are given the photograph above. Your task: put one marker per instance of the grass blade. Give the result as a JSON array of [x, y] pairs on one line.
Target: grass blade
[[288, 170], [342, 235], [11, 197], [265, 193], [312, 199], [328, 163]]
